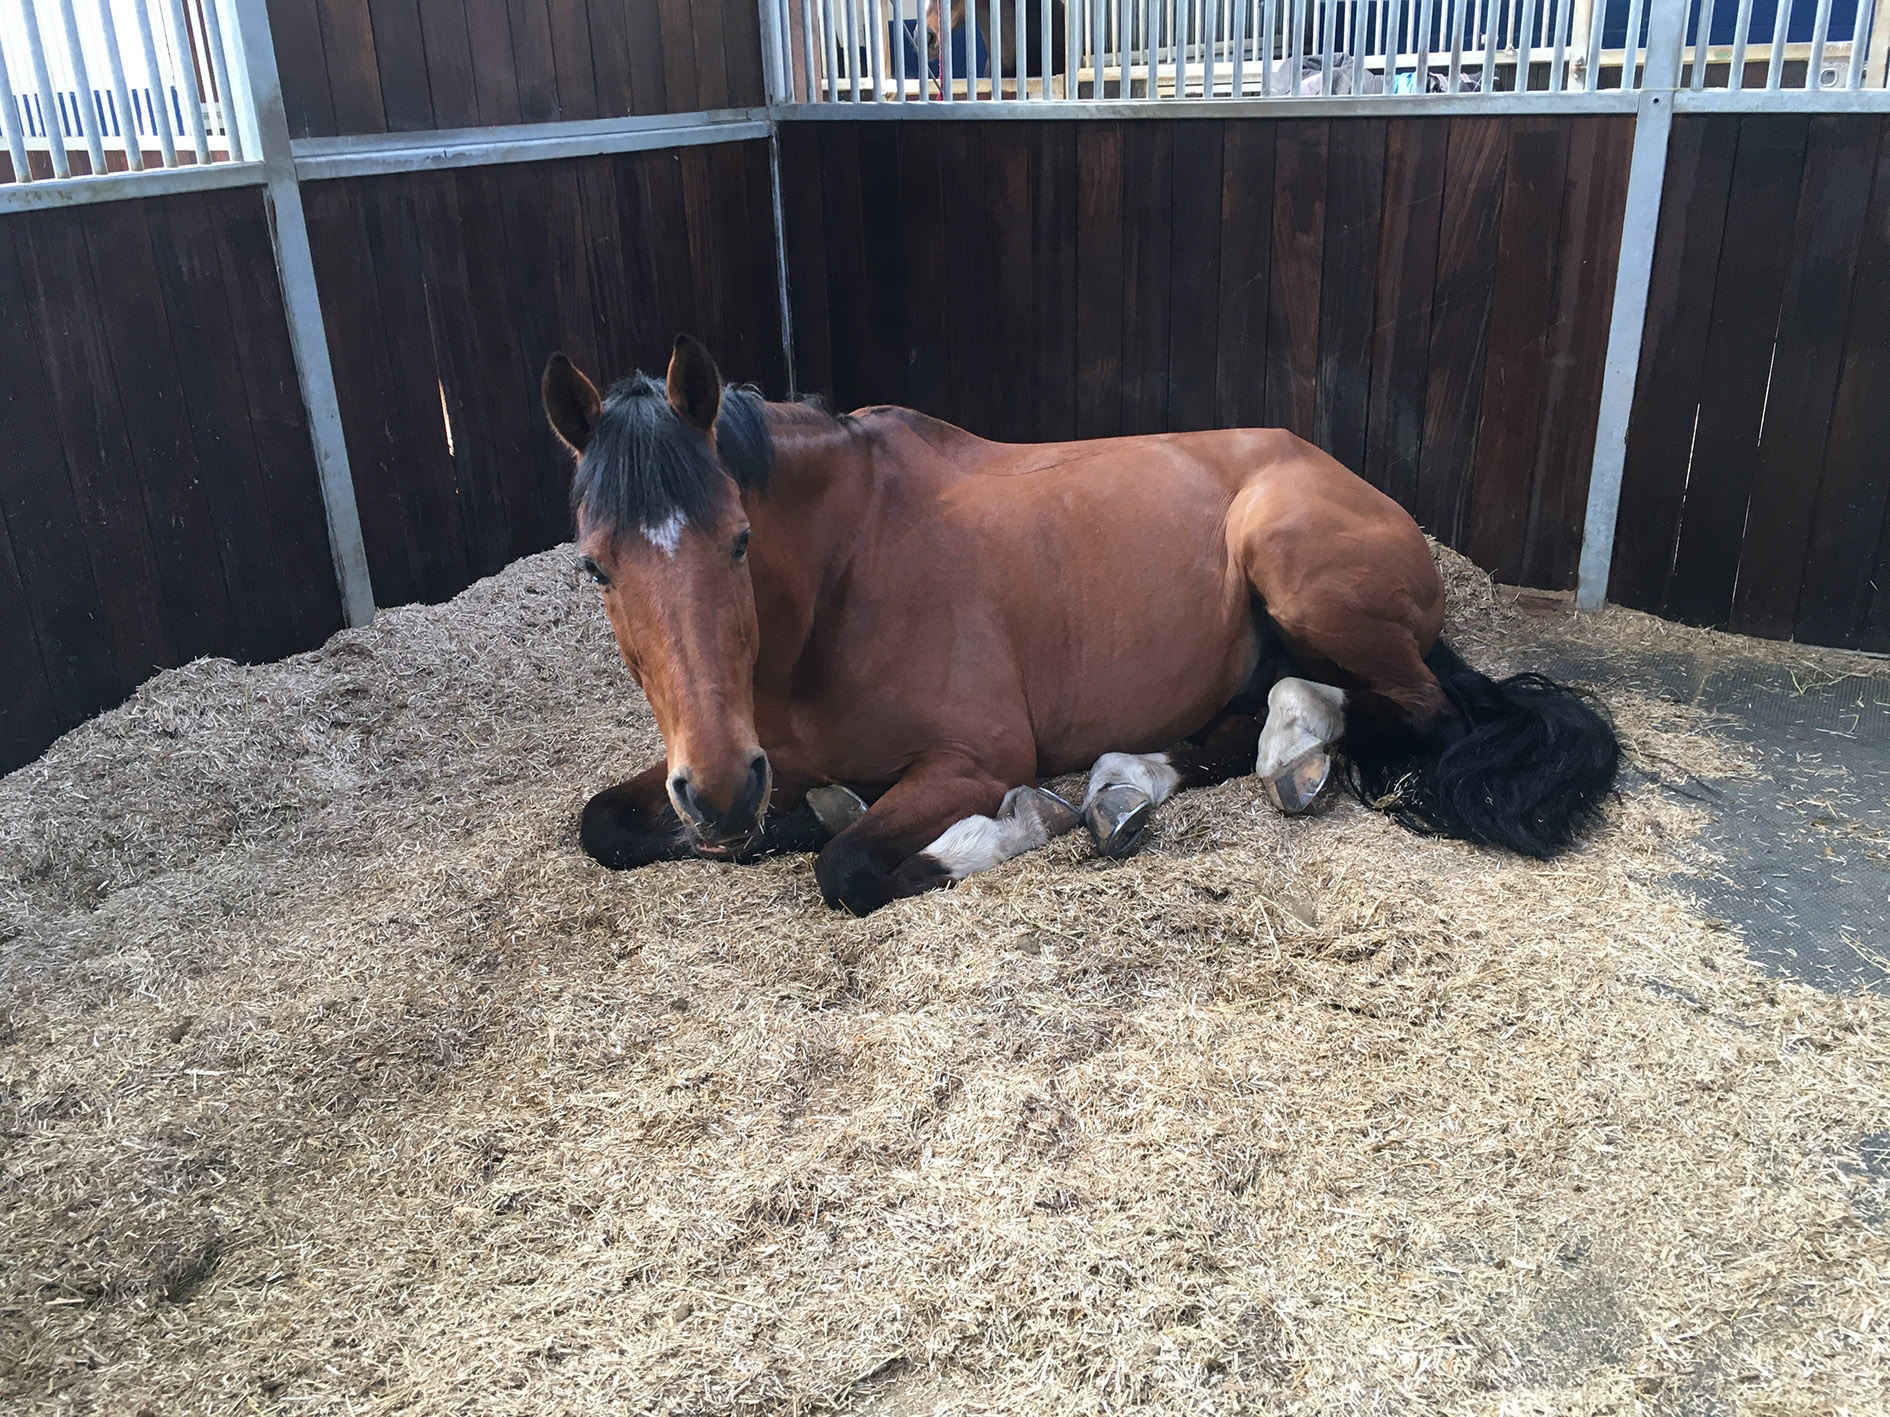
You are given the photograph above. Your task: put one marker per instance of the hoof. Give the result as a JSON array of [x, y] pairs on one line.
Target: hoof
[[1118, 817], [1297, 786], [1042, 809], [837, 807]]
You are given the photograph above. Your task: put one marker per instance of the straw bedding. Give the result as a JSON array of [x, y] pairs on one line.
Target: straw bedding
[[335, 1079]]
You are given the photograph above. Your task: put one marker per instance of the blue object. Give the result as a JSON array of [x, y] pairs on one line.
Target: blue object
[[909, 30]]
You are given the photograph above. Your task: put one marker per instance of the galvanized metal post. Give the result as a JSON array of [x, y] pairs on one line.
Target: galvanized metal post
[[295, 264], [1647, 175]]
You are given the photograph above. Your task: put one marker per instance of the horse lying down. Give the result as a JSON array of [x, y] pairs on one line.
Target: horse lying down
[[870, 635]]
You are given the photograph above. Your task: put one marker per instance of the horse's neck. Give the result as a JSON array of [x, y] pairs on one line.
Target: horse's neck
[[806, 523]]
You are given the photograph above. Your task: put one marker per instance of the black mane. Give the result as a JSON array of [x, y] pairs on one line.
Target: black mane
[[644, 465]]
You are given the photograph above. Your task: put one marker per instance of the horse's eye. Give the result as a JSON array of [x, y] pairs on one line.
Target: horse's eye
[[595, 572], [740, 548]]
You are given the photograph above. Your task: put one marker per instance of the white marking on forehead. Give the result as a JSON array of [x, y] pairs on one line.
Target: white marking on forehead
[[667, 537]]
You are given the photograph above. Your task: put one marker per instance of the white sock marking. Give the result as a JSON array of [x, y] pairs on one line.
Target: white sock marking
[[978, 843], [1301, 716], [1148, 773]]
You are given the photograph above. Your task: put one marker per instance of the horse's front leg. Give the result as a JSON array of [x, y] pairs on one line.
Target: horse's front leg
[[633, 824], [944, 820]]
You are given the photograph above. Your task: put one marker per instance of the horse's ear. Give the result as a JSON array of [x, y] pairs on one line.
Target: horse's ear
[[571, 403], [695, 386]]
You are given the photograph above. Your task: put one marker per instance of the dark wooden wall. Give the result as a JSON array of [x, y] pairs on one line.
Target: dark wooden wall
[[457, 286], [1426, 298], [381, 66], [1758, 467], [158, 491]]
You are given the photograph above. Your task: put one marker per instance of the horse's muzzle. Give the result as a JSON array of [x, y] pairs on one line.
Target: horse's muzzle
[[723, 831]]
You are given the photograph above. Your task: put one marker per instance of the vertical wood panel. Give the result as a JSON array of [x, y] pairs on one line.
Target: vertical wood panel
[[1527, 254], [297, 29], [1673, 354], [804, 223], [1100, 215], [923, 302], [1355, 199], [569, 22], [1768, 169], [400, 53], [1475, 160], [1416, 151], [535, 61], [449, 69], [1841, 154], [1299, 211], [354, 77], [1147, 268], [1053, 316], [1840, 568], [1577, 352], [1194, 282], [1246, 251]]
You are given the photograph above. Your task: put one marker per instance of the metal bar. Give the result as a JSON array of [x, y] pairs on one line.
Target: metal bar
[[120, 89], [897, 42], [780, 251], [1525, 40], [876, 63], [48, 99], [1456, 46], [1394, 44], [10, 121], [220, 70], [1424, 47], [302, 304], [1591, 77], [1558, 63], [1072, 48], [1820, 29], [854, 66], [1632, 46], [244, 114], [1210, 36], [971, 48], [994, 47], [807, 90], [1775, 69], [922, 38], [1239, 86], [1282, 106], [945, 75], [1326, 56], [1702, 43], [1122, 52], [1489, 47], [1784, 101], [127, 186], [187, 79], [829, 51], [1043, 44], [367, 154], [86, 114], [1742, 31], [1861, 20], [161, 109], [1265, 53], [1877, 60], [1647, 173]]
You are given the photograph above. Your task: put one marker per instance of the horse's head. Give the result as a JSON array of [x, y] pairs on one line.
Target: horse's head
[[658, 495]]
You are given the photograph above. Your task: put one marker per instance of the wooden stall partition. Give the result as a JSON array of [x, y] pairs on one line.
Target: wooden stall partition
[[1756, 486], [1427, 298], [444, 293], [158, 491], [387, 66]]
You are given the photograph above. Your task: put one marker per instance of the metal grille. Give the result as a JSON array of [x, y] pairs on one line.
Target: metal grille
[[121, 85], [989, 51]]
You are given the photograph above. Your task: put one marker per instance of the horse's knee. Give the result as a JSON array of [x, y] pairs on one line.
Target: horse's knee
[[622, 828]]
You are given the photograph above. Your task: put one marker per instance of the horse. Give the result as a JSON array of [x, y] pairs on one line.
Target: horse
[[873, 634]]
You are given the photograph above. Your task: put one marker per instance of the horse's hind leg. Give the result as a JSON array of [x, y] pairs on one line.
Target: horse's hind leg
[[1126, 788]]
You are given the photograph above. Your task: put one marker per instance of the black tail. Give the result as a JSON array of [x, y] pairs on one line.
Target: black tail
[[1530, 774]]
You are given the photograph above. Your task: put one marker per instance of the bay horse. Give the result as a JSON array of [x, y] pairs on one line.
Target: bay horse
[[827, 612]]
